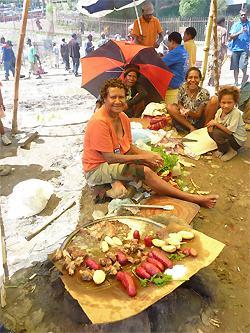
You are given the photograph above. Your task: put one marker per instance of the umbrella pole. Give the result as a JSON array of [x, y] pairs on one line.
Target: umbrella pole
[[207, 42], [138, 18], [216, 60], [19, 63]]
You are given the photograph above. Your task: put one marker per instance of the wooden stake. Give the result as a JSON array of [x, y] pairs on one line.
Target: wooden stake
[[215, 38], [26, 4], [207, 42]]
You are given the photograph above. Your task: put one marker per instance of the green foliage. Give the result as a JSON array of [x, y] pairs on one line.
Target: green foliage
[[170, 160], [192, 8], [169, 12], [222, 7], [49, 8]]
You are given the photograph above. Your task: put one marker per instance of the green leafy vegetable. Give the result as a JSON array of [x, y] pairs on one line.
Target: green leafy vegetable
[[161, 280], [143, 282], [170, 160], [177, 256]]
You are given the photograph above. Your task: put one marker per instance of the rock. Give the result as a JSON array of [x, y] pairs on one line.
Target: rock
[[34, 319], [139, 324], [186, 303], [21, 308]]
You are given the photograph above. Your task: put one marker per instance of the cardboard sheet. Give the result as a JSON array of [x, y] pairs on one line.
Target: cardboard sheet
[[182, 209], [204, 143], [109, 302]]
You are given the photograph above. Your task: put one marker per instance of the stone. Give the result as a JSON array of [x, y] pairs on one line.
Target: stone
[[34, 319], [139, 324], [184, 302]]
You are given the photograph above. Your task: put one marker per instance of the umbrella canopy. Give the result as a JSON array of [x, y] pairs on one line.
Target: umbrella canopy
[[108, 62], [99, 8]]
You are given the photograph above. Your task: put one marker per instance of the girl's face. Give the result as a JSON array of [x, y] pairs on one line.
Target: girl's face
[[193, 79], [130, 79], [227, 103]]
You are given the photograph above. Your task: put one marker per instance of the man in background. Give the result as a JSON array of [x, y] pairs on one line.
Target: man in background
[[64, 50], [239, 36], [74, 53], [152, 32]]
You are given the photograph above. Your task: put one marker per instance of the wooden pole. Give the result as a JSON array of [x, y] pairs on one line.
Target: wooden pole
[[207, 42], [26, 5], [216, 56]]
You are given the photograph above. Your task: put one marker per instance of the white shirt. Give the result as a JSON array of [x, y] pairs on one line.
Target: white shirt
[[234, 122]]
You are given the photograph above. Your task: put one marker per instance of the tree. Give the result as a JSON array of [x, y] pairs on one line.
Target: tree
[[222, 7], [190, 8]]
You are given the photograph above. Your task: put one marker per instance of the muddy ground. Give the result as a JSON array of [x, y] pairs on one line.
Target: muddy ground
[[217, 299]]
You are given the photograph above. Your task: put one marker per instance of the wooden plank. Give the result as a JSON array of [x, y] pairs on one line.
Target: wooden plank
[[54, 216], [27, 139]]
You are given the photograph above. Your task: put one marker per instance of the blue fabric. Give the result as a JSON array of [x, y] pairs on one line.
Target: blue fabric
[[7, 53], [177, 62], [240, 43]]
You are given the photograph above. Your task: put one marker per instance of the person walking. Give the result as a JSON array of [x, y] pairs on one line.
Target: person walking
[[239, 37], [32, 58], [89, 46], [152, 32], [74, 53], [64, 49], [8, 59], [56, 53]]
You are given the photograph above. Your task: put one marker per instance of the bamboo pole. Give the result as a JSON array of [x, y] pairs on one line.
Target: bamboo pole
[[207, 42], [26, 5], [215, 38]]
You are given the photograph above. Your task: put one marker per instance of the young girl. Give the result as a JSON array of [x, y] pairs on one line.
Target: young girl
[[228, 129], [5, 140]]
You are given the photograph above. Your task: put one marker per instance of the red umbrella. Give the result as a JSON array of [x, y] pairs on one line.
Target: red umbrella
[[108, 61]]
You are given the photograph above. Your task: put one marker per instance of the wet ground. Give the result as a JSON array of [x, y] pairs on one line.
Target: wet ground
[[216, 299]]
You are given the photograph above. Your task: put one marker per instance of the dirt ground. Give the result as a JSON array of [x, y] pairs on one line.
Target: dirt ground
[[217, 299]]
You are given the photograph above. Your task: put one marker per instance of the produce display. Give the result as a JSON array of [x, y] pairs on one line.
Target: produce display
[[111, 251]]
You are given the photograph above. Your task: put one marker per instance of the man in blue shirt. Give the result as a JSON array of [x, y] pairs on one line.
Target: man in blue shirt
[[239, 36], [177, 61]]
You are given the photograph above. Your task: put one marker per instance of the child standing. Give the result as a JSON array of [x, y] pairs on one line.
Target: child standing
[[189, 44], [5, 140], [228, 129]]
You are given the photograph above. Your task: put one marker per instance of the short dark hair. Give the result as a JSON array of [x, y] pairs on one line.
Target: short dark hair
[[229, 90], [131, 68], [112, 83], [175, 37], [193, 69], [221, 20], [63, 40], [191, 31]]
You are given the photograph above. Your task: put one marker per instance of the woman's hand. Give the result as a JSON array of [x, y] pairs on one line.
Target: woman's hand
[[211, 123], [153, 160]]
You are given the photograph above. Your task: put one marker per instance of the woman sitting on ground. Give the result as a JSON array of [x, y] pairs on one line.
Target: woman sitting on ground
[[195, 108], [136, 93], [109, 155]]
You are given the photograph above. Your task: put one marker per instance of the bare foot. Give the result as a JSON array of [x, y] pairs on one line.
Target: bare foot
[[208, 201], [217, 153], [118, 190], [229, 155]]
